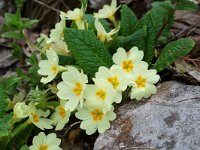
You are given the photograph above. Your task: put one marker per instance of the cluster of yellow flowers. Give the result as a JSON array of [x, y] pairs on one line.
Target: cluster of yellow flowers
[[92, 103]]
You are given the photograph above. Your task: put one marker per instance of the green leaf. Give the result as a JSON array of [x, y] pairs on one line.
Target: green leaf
[[5, 125], [19, 3], [11, 84], [29, 23], [33, 59], [17, 51], [173, 51], [158, 21], [88, 51], [32, 76], [129, 22], [23, 132], [13, 20], [13, 35], [138, 38], [66, 60], [20, 73], [186, 5], [3, 100], [24, 147]]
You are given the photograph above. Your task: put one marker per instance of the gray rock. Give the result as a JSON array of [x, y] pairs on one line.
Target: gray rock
[[170, 120]]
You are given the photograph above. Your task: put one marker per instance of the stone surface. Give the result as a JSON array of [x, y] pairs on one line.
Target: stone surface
[[170, 120]]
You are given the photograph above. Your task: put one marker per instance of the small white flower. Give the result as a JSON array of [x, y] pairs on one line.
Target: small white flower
[[42, 40], [61, 116], [94, 119], [43, 142], [56, 40], [60, 47], [36, 116], [143, 81], [72, 87], [77, 16], [49, 67], [107, 11], [63, 15], [57, 33], [114, 76], [20, 110], [128, 61], [100, 95], [101, 32]]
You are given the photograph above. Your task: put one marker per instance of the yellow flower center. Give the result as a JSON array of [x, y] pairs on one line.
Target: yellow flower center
[[114, 81], [62, 34], [97, 115], [102, 37], [101, 93], [77, 89], [141, 82], [54, 69], [43, 147], [127, 66], [112, 18], [62, 111], [48, 46], [35, 118]]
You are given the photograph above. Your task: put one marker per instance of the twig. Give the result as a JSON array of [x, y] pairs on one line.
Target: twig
[[70, 127], [65, 5], [191, 60], [192, 29], [126, 93], [45, 5], [184, 30]]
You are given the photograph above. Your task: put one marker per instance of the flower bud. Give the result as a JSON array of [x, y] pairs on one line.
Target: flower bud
[[20, 110]]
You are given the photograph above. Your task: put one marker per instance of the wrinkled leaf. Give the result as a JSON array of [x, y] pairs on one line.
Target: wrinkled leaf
[[138, 38], [173, 51], [186, 5], [158, 21], [89, 52], [129, 22]]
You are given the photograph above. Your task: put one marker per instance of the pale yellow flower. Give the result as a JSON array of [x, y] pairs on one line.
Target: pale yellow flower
[[143, 81], [108, 11], [77, 16], [42, 40], [114, 76], [100, 94], [61, 116], [56, 39], [43, 142], [101, 32], [38, 117], [72, 87], [129, 60], [60, 47], [57, 34], [95, 119], [20, 110], [49, 67]]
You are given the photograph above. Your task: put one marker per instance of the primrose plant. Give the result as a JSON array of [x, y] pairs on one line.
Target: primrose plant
[[89, 67]]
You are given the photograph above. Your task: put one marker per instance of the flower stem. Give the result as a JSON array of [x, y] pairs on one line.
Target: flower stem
[[126, 93]]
